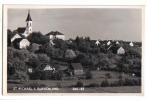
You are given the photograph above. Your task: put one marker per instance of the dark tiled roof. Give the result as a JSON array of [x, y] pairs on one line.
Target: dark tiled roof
[[54, 33], [29, 17], [21, 29], [76, 66], [17, 40], [14, 35]]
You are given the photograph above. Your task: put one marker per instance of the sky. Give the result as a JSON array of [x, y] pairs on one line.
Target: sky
[[97, 23]]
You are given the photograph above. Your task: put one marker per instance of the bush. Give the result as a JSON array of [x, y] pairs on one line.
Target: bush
[[105, 83], [93, 85], [107, 75], [88, 75], [79, 84], [126, 82], [59, 85]]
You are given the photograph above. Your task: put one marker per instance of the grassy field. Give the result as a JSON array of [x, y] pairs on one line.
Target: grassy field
[[64, 85]]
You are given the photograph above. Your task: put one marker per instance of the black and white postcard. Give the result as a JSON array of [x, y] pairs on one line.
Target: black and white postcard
[[73, 49]]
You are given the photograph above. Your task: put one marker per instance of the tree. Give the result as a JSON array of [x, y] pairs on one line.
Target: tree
[[61, 44], [33, 62], [37, 37], [70, 54], [19, 70], [33, 47], [43, 58]]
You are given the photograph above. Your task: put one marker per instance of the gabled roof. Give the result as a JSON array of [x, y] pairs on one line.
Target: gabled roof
[[15, 35], [21, 29], [29, 17], [42, 66], [54, 33], [76, 66], [17, 40]]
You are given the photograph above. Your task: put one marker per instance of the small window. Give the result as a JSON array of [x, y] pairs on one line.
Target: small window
[[30, 24], [30, 29], [27, 24]]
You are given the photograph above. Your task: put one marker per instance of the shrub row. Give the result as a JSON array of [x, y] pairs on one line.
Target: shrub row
[[122, 82], [105, 83]]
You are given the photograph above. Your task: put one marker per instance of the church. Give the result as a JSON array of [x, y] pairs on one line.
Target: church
[[22, 34]]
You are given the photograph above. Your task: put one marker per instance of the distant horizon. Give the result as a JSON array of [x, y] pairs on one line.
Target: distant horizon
[[104, 24]]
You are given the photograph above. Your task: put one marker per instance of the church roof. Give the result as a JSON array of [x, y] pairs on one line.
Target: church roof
[[21, 29], [29, 17], [54, 33]]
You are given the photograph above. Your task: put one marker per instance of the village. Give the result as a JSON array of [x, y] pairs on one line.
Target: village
[[81, 62]]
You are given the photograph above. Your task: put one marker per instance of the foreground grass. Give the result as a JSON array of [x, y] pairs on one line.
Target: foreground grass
[[63, 85]]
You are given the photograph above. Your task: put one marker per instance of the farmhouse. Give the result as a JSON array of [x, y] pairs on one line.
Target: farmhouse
[[108, 43], [97, 42], [20, 43], [45, 67], [131, 44], [117, 42], [30, 70], [76, 69], [55, 35], [121, 50]]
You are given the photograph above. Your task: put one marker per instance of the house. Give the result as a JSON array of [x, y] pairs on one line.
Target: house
[[45, 67], [121, 51], [131, 44], [76, 69], [20, 43], [30, 70], [55, 35], [97, 42], [117, 43], [108, 43]]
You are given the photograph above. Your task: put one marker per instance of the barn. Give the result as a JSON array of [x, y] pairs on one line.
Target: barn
[[76, 68]]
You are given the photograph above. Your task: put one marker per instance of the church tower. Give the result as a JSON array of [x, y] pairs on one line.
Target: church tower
[[29, 23]]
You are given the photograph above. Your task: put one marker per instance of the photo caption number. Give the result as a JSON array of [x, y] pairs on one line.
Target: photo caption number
[[76, 89]]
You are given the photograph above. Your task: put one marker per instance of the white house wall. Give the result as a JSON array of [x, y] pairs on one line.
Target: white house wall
[[57, 36], [24, 43]]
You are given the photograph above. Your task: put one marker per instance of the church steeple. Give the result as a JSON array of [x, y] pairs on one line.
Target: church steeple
[[29, 23], [29, 17]]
